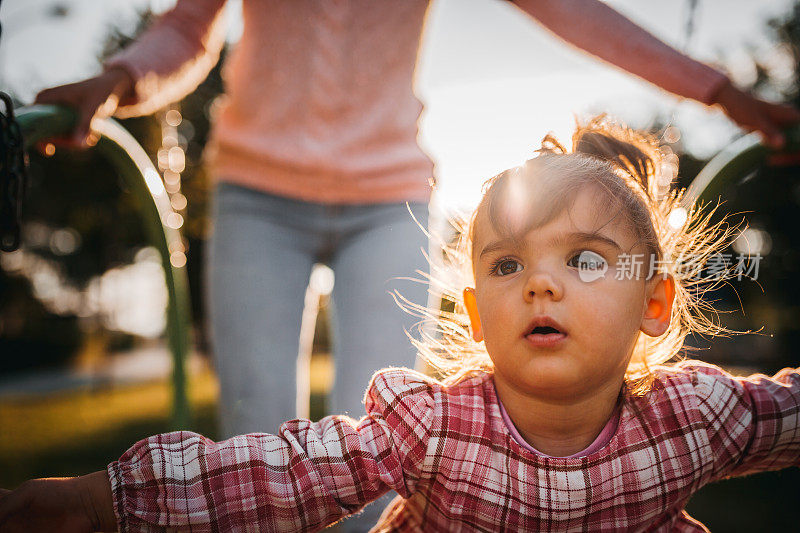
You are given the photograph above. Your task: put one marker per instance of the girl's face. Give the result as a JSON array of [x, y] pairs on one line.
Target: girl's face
[[537, 281]]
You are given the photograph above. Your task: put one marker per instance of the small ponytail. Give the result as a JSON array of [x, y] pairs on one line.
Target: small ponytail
[[627, 150], [551, 145]]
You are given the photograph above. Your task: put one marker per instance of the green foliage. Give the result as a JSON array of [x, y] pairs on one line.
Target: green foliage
[[786, 31]]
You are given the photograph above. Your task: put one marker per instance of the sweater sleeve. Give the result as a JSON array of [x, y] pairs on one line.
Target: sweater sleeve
[[309, 475], [171, 58], [598, 29], [753, 423]]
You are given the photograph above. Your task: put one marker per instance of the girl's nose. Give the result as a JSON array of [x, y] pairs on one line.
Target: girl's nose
[[542, 284]]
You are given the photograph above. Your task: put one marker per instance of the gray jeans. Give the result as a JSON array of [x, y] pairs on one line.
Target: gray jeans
[[261, 255]]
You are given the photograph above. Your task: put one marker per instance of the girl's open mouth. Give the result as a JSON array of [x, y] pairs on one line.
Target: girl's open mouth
[[545, 336]]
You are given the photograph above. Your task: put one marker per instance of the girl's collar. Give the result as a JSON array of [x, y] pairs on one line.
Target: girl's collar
[[602, 439]]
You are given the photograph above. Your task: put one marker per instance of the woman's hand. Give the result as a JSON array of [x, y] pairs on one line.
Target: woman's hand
[[751, 113], [93, 97], [70, 505]]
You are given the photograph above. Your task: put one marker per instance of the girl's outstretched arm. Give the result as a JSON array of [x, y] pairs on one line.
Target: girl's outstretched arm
[[304, 478], [598, 29], [753, 423]]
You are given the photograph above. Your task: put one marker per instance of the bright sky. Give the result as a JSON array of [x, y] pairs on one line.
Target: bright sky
[[493, 82]]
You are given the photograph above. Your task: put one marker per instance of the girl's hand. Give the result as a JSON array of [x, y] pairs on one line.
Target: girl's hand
[[71, 505], [93, 97], [752, 113]]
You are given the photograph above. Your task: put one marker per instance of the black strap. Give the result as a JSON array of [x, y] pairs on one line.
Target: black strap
[[13, 177]]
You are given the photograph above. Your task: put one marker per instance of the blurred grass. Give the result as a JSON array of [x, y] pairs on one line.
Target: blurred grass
[[78, 432], [82, 431]]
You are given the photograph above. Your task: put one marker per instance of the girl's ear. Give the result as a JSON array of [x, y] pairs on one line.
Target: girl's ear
[[659, 307], [472, 310]]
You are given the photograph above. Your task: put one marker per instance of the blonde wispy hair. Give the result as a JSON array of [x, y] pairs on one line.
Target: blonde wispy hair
[[635, 176]]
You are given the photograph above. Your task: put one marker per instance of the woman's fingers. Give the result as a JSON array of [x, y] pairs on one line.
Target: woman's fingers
[[80, 136], [752, 113], [53, 95], [776, 118], [91, 97], [765, 117], [79, 96], [771, 133]]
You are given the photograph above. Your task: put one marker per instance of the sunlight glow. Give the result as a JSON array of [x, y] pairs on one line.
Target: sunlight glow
[[177, 259], [174, 220], [471, 134], [677, 217], [753, 241], [153, 181]]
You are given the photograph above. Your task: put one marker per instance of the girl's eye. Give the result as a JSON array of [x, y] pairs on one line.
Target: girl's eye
[[587, 261], [504, 267]]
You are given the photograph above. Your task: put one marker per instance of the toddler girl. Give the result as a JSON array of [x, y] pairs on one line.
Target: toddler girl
[[553, 412]]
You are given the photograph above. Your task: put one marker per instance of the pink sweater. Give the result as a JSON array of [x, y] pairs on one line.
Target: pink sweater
[[319, 102]]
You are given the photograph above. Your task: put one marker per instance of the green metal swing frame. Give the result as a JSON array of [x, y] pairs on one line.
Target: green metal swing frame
[[734, 162], [41, 122]]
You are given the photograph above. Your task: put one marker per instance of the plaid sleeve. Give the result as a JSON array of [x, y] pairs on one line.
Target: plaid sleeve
[[309, 475], [753, 423]]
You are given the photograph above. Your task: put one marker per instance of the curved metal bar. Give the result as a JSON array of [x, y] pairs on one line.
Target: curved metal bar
[[735, 161], [40, 122]]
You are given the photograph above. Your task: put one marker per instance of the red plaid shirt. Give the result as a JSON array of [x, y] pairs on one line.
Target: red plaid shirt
[[456, 466]]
